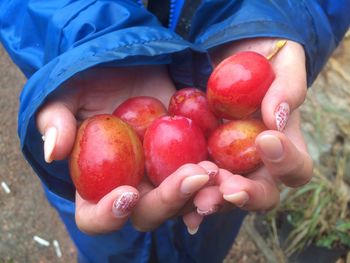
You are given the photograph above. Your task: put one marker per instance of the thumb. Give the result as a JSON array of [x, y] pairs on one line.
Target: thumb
[[288, 90], [109, 214], [57, 124]]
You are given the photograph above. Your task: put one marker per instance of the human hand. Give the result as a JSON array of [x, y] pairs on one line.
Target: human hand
[[101, 90], [282, 147], [147, 206]]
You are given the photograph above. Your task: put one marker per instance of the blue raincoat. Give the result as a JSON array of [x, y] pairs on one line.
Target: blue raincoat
[[52, 40]]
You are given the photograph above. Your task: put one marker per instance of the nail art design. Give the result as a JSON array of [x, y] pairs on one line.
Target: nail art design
[[282, 115], [212, 174], [125, 203], [210, 211], [212, 177]]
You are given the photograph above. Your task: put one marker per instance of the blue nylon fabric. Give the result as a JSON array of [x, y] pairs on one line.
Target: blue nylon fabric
[[174, 244], [317, 25], [175, 12], [159, 48], [51, 41], [128, 245]]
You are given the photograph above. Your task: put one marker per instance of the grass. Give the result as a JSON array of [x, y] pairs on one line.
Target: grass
[[318, 211], [315, 217]]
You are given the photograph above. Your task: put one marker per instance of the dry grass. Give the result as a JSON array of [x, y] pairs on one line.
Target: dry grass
[[323, 205], [319, 211]]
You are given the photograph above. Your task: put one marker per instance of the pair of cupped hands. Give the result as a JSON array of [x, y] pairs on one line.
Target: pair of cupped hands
[[194, 190]]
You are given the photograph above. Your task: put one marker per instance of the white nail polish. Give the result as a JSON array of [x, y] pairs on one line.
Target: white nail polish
[[50, 143], [239, 199], [192, 231], [193, 183]]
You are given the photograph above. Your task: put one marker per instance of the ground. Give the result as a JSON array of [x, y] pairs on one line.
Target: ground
[[25, 212]]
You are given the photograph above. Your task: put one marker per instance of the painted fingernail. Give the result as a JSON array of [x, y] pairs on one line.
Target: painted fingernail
[[193, 183], [282, 115], [50, 139], [209, 211], [240, 199], [192, 231], [271, 147], [212, 176], [124, 204]]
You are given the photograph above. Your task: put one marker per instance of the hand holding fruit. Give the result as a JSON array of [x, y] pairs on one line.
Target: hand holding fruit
[[107, 90], [282, 149], [100, 91]]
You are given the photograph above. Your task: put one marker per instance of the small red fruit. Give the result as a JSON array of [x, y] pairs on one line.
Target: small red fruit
[[139, 112], [232, 145], [238, 85], [107, 153], [193, 104], [171, 142]]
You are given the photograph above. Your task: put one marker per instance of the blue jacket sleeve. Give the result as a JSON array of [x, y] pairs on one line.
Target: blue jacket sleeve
[[318, 25], [51, 41]]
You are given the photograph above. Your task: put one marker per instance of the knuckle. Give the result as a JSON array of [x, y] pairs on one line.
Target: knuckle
[[166, 199]]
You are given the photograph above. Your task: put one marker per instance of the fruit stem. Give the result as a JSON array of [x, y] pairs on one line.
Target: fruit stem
[[279, 45]]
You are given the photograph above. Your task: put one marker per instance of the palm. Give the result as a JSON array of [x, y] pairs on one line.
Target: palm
[[101, 90]]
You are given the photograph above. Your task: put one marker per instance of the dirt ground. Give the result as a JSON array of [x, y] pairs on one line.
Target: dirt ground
[[25, 212]]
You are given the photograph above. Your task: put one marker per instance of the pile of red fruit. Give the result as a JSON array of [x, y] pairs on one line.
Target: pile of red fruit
[[142, 135]]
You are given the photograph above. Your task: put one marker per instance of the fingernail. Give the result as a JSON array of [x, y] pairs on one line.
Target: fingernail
[[49, 138], [271, 147], [124, 204], [192, 231], [282, 115], [240, 199], [209, 211], [212, 176], [193, 183]]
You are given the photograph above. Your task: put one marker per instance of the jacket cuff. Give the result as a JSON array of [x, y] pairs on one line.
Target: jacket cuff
[[121, 48], [296, 20]]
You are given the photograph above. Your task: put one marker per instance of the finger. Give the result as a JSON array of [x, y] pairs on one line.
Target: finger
[[192, 220], [285, 155], [56, 122], [212, 170], [288, 90], [169, 197], [146, 186], [208, 200], [259, 192], [109, 214]]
